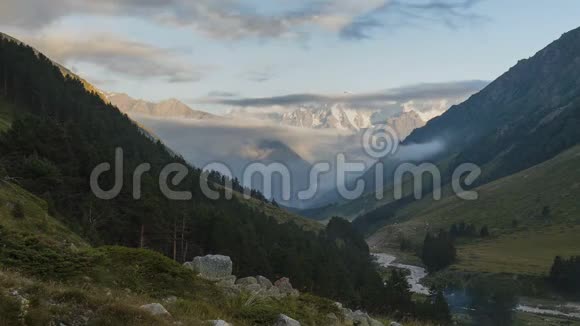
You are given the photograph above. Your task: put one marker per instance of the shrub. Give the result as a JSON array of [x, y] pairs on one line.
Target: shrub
[[145, 271], [37, 258], [9, 310]]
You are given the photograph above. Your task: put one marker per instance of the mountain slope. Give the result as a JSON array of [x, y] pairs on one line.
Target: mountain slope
[[514, 208], [405, 123], [528, 115]]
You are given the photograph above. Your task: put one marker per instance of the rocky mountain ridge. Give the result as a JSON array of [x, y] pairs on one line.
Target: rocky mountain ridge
[[170, 108]]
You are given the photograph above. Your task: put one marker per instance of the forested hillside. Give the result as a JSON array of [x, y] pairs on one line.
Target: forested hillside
[[60, 131]]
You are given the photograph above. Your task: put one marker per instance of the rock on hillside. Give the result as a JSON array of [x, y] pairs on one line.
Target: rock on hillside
[[155, 309], [284, 320], [358, 317], [219, 268], [212, 267]]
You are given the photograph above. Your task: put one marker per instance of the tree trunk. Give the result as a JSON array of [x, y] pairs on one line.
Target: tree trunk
[[183, 238], [174, 240], [142, 237], [185, 252]]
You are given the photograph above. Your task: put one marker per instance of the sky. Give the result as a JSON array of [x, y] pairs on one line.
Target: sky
[[217, 53]]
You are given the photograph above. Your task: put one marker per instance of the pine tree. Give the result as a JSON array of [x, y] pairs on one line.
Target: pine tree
[[546, 212], [441, 311], [454, 231], [399, 290], [438, 251], [484, 233]]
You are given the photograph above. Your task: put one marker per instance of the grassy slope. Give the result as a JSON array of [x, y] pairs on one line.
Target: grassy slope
[[528, 252], [36, 219], [106, 285], [528, 247]]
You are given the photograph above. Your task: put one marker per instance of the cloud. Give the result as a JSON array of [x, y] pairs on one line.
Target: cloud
[[118, 55], [393, 14], [238, 19], [420, 92], [360, 29], [222, 94], [260, 75]]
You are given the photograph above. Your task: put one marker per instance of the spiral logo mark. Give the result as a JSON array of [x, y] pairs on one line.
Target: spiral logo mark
[[380, 141]]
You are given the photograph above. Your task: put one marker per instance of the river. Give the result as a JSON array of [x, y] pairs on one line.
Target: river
[[569, 310], [414, 278]]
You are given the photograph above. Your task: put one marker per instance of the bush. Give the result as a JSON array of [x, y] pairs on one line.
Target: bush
[[40, 259], [9, 310], [145, 271]]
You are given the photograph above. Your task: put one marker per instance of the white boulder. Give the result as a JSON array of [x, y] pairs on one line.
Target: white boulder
[[284, 320], [155, 309], [212, 267]]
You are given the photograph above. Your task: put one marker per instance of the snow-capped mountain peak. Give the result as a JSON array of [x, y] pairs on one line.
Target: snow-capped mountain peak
[[334, 116]]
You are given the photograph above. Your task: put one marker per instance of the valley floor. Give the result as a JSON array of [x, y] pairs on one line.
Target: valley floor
[[527, 312], [527, 252]]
